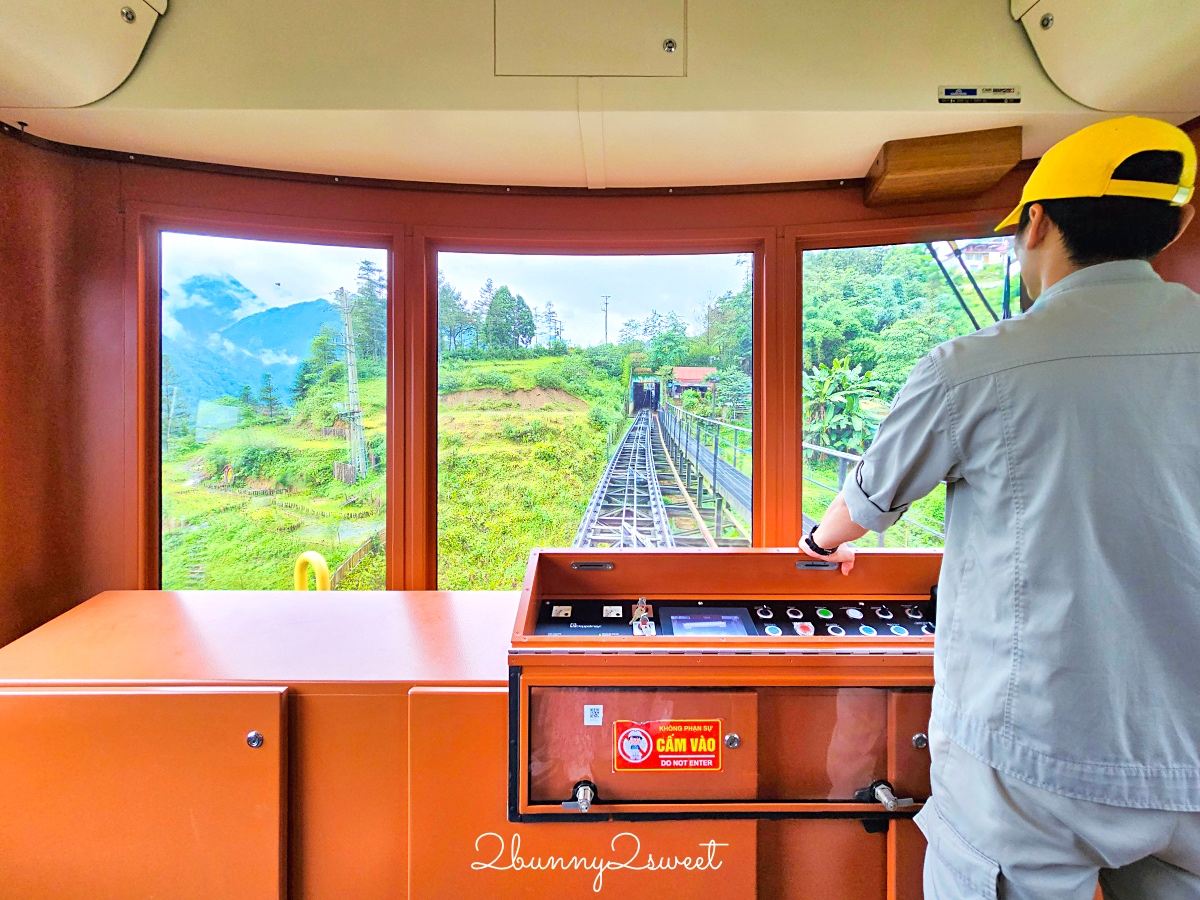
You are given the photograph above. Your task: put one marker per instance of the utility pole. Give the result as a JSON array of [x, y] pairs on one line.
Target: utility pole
[[606, 299], [354, 415]]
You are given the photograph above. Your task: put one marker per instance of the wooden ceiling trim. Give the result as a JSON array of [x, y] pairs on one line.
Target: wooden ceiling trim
[[942, 167]]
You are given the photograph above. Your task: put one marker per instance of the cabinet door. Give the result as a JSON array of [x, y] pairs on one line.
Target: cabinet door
[[142, 792], [566, 745]]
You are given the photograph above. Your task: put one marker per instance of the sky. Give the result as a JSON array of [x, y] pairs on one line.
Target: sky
[[576, 285], [278, 273]]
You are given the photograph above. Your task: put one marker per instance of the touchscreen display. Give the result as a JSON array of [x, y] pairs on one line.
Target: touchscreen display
[[705, 623]]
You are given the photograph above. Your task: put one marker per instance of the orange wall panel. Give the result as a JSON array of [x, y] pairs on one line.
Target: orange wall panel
[[348, 783], [906, 848], [820, 859], [142, 792]]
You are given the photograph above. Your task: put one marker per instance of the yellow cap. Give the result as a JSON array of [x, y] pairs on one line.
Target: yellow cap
[[1082, 164]]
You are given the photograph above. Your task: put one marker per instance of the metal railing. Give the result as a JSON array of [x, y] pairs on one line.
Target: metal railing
[[845, 461], [735, 443]]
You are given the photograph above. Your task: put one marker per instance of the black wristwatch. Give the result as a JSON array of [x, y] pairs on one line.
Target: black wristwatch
[[814, 546]]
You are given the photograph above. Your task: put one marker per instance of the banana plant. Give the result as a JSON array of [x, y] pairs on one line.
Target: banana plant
[[833, 406]]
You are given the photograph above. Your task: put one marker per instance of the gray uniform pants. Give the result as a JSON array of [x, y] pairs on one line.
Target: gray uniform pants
[[992, 836]]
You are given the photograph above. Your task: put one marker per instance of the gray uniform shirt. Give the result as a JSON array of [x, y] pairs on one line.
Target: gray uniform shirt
[[1068, 646]]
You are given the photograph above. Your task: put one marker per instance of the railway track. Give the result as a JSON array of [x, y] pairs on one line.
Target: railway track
[[646, 496], [627, 509]]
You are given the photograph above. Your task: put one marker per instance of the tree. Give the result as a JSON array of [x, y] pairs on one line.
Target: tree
[[455, 321], [246, 397], [369, 312], [322, 352], [552, 322], [737, 391], [631, 332], [267, 398], [525, 327], [500, 326], [668, 339], [172, 404], [833, 412]]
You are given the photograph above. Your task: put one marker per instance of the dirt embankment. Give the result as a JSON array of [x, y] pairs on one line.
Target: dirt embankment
[[526, 399]]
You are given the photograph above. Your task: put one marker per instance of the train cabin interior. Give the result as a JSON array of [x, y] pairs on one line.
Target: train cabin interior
[[411, 410]]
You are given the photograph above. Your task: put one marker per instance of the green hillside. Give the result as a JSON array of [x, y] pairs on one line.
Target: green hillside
[[281, 501], [521, 445]]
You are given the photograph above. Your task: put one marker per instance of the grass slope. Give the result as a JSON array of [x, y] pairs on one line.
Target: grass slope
[[513, 478], [283, 501]]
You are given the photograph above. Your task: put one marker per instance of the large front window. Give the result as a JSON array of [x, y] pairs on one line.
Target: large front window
[[590, 401], [870, 313], [274, 411]]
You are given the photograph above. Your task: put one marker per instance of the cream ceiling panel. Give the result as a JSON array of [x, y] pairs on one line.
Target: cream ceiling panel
[[775, 91], [438, 54], [536, 148], [1121, 55], [478, 147], [69, 52], [649, 149], [600, 37]]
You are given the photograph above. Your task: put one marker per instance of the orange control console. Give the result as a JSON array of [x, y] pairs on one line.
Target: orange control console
[[756, 684]]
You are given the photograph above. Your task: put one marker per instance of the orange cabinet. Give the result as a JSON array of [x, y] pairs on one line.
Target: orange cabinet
[[142, 792]]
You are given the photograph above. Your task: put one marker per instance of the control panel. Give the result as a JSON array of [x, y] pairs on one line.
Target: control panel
[[698, 619]]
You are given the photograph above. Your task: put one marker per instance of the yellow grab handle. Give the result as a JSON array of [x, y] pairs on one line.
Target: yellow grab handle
[[320, 569]]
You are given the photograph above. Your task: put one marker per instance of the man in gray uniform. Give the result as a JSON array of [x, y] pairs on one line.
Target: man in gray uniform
[[1065, 735]]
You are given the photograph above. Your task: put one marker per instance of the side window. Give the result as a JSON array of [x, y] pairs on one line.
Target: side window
[[274, 411], [869, 314], [590, 401]]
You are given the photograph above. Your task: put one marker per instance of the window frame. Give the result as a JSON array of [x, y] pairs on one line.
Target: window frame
[[143, 286], [428, 242]]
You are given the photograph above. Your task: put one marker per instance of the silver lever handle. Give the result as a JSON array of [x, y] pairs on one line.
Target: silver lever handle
[[883, 793], [584, 794]]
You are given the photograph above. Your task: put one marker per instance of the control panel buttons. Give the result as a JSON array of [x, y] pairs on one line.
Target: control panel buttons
[[804, 629], [900, 630], [882, 612], [773, 630], [824, 613], [854, 613], [867, 630], [560, 612], [612, 612], [913, 612], [764, 612], [794, 613], [927, 628], [835, 630]]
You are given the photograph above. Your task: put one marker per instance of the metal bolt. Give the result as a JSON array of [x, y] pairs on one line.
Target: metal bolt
[[669, 45], [255, 739], [128, 14], [733, 741], [1047, 20], [920, 740]]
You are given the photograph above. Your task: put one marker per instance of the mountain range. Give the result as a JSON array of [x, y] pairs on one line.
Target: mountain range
[[214, 353]]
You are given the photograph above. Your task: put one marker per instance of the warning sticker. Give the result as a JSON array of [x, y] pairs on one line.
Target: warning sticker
[[979, 93], [669, 745]]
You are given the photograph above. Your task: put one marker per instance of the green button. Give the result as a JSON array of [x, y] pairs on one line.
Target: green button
[[824, 613]]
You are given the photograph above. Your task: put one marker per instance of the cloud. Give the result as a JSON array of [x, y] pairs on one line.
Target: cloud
[[274, 358], [276, 273]]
